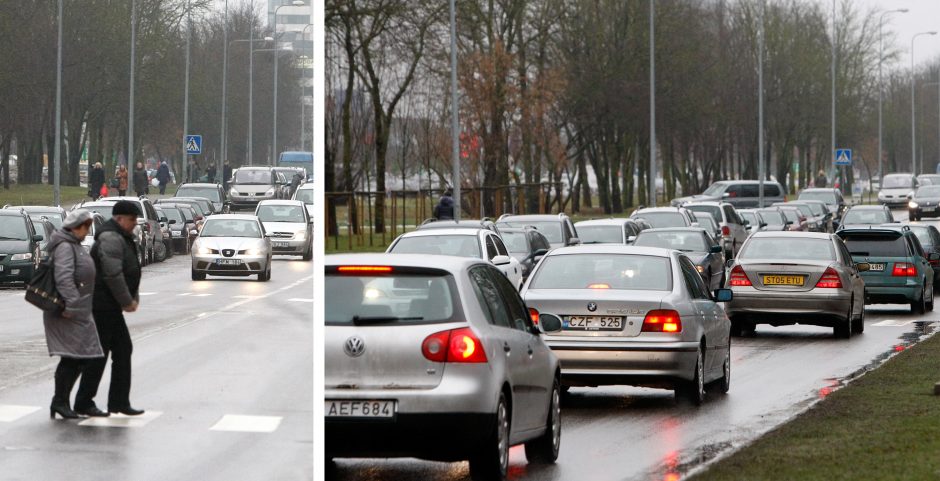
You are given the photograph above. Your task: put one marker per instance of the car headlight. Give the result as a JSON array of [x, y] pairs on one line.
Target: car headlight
[[233, 192], [25, 256], [301, 234], [912, 205], [881, 195], [270, 192], [700, 269], [254, 251], [201, 250]]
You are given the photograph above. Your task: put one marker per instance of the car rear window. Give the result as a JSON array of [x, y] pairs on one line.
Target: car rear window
[[712, 210], [604, 271], [682, 241], [866, 216], [600, 234], [516, 242], [788, 248], [772, 217], [664, 219], [827, 197], [550, 229], [448, 245], [389, 299], [210, 193], [870, 245], [750, 217]]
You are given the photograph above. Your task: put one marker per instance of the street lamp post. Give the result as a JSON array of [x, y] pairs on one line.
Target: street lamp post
[[130, 114], [295, 3], [760, 107], [189, 28], [832, 72], [222, 139], [276, 50], [454, 124], [58, 116], [303, 121], [881, 54], [652, 178], [913, 130]]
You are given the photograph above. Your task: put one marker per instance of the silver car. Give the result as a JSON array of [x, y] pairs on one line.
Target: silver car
[[607, 231], [733, 229], [232, 245], [783, 278], [633, 315], [288, 226], [251, 185], [435, 357]]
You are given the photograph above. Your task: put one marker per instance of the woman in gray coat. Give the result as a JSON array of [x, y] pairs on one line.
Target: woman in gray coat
[[71, 334]]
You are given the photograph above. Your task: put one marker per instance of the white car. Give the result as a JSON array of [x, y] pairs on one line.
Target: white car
[[288, 226], [232, 245], [474, 243], [304, 193]]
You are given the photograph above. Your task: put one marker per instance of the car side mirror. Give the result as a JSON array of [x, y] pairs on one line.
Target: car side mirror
[[747, 224], [37, 238], [501, 260], [549, 323], [631, 239], [761, 225], [723, 295], [729, 263], [171, 221], [726, 195], [863, 266], [715, 249], [193, 232], [574, 241], [163, 219]]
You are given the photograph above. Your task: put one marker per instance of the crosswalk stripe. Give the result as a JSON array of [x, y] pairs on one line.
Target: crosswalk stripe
[[185, 294], [297, 299], [146, 293], [202, 295], [11, 412], [247, 424], [121, 421]]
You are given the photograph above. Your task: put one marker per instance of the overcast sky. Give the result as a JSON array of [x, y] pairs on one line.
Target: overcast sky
[[923, 15]]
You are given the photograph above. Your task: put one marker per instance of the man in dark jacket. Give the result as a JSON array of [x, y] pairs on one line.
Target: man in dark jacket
[[140, 179], [226, 176], [444, 210], [210, 173], [163, 176], [116, 290]]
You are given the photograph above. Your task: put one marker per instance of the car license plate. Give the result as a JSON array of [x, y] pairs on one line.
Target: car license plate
[[361, 408], [279, 244], [783, 280], [876, 267], [228, 262], [928, 209], [592, 323]]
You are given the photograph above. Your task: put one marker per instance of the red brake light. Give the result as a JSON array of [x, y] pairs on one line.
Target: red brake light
[[904, 269], [725, 230], [599, 286], [361, 269], [662, 321], [456, 345], [830, 279], [738, 277], [534, 315]]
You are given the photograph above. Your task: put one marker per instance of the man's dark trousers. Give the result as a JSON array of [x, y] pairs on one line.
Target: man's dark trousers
[[116, 340]]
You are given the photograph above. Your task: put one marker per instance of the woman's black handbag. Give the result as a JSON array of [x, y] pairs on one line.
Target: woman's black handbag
[[41, 290]]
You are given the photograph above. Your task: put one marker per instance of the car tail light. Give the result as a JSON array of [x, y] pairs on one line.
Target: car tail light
[[455, 345], [662, 321], [904, 269], [364, 269], [534, 315], [738, 277], [830, 279], [599, 286], [725, 230]]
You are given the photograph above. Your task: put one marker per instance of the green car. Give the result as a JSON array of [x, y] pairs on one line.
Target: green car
[[899, 270], [19, 246]]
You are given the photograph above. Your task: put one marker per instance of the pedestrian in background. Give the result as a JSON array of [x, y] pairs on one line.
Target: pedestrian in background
[[116, 292], [193, 171], [95, 181], [121, 176], [444, 210], [163, 176], [140, 179], [71, 333], [821, 180], [210, 173], [226, 176]]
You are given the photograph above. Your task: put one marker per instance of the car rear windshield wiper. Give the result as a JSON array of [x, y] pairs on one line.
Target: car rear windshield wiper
[[364, 320]]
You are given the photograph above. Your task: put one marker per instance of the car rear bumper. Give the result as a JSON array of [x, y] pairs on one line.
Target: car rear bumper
[[892, 295], [655, 364], [438, 436], [780, 309]]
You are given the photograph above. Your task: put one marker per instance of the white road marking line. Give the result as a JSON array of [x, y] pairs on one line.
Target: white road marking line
[[10, 412], [185, 294], [245, 297], [891, 323], [121, 421], [201, 295], [146, 293], [297, 299], [247, 424]]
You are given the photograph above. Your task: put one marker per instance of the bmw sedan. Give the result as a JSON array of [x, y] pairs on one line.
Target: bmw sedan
[[633, 315], [797, 278], [231, 245], [436, 357]]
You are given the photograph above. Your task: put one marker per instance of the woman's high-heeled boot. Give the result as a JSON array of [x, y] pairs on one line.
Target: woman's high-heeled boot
[[60, 401]]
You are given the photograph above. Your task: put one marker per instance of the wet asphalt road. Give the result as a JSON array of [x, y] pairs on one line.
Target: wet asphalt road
[[624, 433], [205, 354]]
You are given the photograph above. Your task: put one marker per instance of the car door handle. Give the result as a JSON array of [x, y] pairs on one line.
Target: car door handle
[[506, 347]]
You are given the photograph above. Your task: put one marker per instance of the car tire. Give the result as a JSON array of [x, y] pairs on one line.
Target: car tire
[[858, 324], [694, 390], [198, 276], [723, 384], [919, 306], [843, 330], [491, 459], [309, 254], [544, 449], [911, 217]]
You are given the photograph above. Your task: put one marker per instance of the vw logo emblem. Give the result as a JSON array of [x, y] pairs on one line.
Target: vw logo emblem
[[354, 346], [592, 306]]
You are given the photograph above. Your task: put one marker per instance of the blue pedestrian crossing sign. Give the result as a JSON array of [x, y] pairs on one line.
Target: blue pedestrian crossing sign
[[193, 144], [843, 156]]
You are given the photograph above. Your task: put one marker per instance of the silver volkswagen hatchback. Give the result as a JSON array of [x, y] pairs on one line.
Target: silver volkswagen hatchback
[[436, 357], [640, 316]]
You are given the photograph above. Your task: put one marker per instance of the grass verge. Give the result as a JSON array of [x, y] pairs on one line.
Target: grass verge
[[41, 194], [341, 244], [885, 425]]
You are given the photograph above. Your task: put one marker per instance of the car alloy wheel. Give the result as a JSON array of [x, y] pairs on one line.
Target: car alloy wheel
[[544, 449], [491, 459]]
